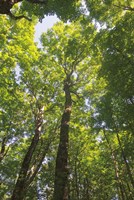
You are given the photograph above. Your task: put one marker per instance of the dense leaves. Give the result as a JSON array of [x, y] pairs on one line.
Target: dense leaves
[[80, 80], [18, 9]]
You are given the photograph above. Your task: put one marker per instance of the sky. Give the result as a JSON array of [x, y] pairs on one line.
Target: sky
[[47, 23]]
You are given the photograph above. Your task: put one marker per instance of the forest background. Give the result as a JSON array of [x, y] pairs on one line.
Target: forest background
[[67, 104]]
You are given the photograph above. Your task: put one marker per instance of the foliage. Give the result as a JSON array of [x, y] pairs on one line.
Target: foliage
[[29, 9], [99, 61]]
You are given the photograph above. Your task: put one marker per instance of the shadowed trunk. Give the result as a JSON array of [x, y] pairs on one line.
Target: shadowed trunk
[[21, 184], [61, 169]]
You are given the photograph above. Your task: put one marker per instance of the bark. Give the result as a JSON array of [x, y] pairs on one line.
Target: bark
[[21, 184], [61, 169], [6, 6]]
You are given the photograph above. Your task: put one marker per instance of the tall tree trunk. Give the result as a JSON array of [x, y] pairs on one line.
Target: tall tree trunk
[[21, 184], [61, 169]]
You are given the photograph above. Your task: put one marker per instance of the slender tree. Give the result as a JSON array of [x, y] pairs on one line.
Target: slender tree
[[62, 168]]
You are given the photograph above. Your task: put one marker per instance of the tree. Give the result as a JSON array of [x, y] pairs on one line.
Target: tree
[[114, 106], [25, 9], [22, 110], [66, 109], [68, 52], [109, 12]]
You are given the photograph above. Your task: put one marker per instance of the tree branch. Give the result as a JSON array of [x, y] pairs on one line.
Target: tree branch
[[129, 8], [38, 1]]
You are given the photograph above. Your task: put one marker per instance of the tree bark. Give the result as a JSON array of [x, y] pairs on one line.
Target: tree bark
[[6, 6], [61, 169], [21, 185]]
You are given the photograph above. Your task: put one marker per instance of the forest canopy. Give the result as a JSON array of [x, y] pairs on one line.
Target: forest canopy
[[17, 9], [67, 105]]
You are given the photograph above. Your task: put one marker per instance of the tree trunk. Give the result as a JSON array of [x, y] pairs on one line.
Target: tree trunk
[[61, 169], [19, 191]]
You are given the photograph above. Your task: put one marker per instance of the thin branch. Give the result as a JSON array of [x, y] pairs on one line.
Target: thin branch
[[38, 1], [4, 150], [75, 93], [129, 8]]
